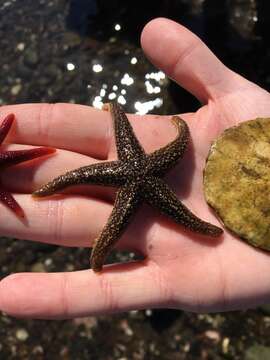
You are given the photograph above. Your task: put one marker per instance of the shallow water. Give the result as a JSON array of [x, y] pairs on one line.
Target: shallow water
[[88, 52]]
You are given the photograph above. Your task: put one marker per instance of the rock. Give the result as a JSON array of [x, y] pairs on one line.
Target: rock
[[265, 309], [38, 267], [24, 71], [43, 81], [31, 57], [71, 39], [257, 352], [20, 46], [212, 335], [53, 71], [124, 325], [16, 89], [237, 180], [22, 334], [225, 345]]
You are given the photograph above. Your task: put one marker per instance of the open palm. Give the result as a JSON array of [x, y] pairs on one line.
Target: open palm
[[181, 269]]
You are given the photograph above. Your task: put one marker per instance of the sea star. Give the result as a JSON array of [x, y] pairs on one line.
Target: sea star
[[9, 158], [138, 175]]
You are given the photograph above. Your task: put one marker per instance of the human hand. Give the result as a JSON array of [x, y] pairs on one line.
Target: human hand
[[180, 270]]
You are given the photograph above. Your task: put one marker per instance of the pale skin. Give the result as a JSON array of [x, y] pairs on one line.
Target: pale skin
[[181, 270]]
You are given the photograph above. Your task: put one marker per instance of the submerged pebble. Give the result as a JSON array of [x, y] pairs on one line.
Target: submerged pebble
[[22, 334]]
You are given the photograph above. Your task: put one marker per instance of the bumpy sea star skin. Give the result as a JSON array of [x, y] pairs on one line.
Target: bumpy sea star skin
[[9, 158], [138, 177]]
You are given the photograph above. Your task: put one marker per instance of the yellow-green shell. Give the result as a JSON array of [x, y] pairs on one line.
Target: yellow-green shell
[[237, 180]]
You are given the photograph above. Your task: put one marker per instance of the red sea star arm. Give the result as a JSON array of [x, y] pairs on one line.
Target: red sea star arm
[[5, 126], [128, 147], [126, 204], [159, 195], [8, 158], [165, 158], [7, 199]]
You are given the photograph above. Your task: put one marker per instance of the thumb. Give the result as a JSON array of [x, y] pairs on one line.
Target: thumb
[[186, 59]]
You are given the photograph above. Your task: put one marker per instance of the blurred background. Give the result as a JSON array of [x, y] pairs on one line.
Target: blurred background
[[88, 52]]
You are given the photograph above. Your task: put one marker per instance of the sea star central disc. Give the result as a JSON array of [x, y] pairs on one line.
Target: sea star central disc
[[138, 176]]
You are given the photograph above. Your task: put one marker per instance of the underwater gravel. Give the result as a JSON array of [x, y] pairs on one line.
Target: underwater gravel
[[37, 46]]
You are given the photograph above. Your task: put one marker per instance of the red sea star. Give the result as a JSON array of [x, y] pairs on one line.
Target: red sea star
[[9, 158]]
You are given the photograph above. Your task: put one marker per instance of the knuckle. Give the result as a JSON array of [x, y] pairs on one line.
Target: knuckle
[[65, 309], [55, 219], [109, 301], [165, 293], [47, 114]]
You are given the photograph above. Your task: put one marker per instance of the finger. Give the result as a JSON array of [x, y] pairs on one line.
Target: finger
[[153, 132], [80, 128], [30, 175], [70, 221], [68, 295], [187, 60], [72, 127]]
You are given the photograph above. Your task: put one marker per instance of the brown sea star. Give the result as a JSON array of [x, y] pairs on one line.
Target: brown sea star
[[9, 158], [138, 176]]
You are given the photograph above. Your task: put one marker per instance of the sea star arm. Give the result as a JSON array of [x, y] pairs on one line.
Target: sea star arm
[[5, 126], [8, 158], [7, 199], [126, 204], [128, 147], [165, 158], [107, 173], [159, 195]]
